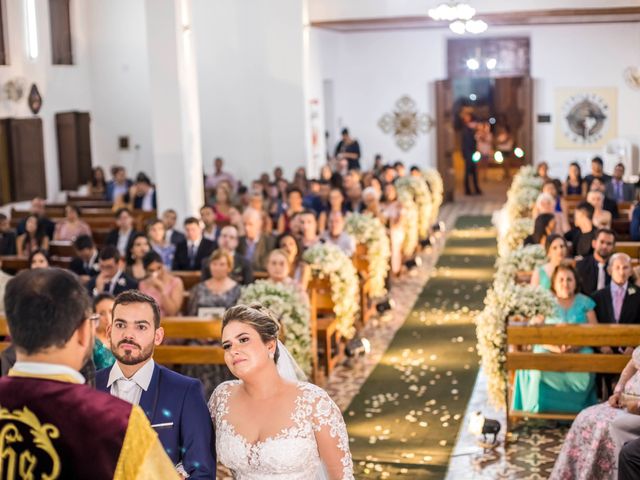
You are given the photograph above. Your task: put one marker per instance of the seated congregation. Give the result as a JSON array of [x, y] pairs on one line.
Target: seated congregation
[[224, 298], [587, 228]]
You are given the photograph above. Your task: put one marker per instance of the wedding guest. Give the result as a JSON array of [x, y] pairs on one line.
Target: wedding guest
[[254, 246], [96, 436], [257, 203], [609, 204], [208, 218], [354, 201], [222, 205], [228, 241], [294, 205], [337, 236], [299, 270], [336, 204], [618, 303], [537, 391], [136, 252], [617, 189], [38, 208], [158, 241], [276, 205], [119, 186], [581, 236], [194, 249], [279, 267], [7, 237], [592, 269], [634, 228], [395, 222], [300, 180], [574, 183], [543, 226], [72, 226], [112, 279], [98, 183], [371, 200], [603, 425], [309, 226], [601, 217], [4, 279], [38, 259], [121, 237], [348, 148], [597, 171], [542, 171], [218, 291], [34, 238], [312, 200], [167, 398], [102, 308], [218, 176], [546, 203], [556, 249], [85, 263], [142, 194], [169, 219], [166, 289]]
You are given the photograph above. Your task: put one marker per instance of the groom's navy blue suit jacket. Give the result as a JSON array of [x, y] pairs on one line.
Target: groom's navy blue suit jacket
[[177, 399]]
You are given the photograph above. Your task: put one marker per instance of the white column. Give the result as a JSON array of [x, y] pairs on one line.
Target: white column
[[175, 112]]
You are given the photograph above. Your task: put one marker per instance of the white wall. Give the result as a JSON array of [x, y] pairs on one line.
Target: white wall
[[63, 87], [372, 70], [119, 77], [250, 73]]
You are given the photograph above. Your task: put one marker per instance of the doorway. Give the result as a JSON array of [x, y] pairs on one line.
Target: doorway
[[484, 82]]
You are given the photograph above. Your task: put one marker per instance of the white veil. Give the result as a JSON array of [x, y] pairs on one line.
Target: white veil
[[288, 368]]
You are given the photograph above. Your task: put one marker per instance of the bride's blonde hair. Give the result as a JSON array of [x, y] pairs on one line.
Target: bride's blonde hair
[[257, 316]]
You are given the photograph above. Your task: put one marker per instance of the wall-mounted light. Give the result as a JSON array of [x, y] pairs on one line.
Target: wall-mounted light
[[518, 152], [491, 63], [498, 157], [31, 28], [473, 97]]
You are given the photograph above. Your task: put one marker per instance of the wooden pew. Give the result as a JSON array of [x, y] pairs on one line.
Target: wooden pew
[[576, 335], [361, 263], [191, 328], [622, 227], [189, 278], [327, 347], [62, 248], [630, 248], [4, 332]]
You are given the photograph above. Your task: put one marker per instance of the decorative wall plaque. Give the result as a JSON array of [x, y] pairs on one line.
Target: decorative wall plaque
[[35, 100], [405, 123]]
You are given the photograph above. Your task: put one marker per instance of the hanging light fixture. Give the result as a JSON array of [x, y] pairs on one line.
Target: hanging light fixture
[[460, 17]]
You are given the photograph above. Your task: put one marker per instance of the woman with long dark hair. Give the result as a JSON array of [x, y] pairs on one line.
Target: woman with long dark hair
[[574, 184], [544, 226], [34, 237]]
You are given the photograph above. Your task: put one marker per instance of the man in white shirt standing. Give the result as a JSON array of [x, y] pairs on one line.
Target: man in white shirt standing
[[173, 403]]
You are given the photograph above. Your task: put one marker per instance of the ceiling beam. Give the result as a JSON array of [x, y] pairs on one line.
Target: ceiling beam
[[533, 17]]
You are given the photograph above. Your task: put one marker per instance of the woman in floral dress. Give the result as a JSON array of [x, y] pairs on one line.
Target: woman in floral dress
[[590, 450]]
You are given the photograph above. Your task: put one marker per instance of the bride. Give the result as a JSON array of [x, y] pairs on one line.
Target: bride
[[269, 424]]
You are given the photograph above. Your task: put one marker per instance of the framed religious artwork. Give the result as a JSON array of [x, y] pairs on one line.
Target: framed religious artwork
[[586, 118]]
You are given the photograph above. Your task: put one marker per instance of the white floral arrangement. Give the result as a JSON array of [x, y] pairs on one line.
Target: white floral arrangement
[[328, 260], [436, 185], [292, 309], [506, 299], [369, 230], [419, 191], [511, 300], [410, 220]]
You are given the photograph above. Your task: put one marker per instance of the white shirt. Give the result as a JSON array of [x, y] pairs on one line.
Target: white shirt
[[147, 201], [39, 368], [130, 389], [123, 241], [210, 235]]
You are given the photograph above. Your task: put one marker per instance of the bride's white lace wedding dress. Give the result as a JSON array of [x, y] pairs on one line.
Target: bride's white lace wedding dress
[[293, 453]]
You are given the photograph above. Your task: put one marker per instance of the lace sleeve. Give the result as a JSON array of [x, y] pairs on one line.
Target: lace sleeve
[[331, 437], [218, 401]]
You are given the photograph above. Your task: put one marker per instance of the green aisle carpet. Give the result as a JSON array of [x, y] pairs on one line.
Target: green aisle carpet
[[405, 420]]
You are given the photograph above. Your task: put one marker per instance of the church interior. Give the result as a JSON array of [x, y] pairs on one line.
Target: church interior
[[435, 202]]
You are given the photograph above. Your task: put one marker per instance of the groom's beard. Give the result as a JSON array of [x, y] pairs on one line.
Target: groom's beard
[[135, 356]]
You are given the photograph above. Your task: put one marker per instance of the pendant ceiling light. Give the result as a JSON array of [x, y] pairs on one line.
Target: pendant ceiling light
[[460, 15]]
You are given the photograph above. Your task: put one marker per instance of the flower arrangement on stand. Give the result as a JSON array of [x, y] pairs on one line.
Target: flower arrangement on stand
[[370, 231], [292, 310], [419, 191], [506, 299], [328, 260], [410, 214], [436, 185]]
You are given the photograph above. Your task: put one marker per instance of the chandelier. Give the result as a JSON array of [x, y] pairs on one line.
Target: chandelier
[[460, 15]]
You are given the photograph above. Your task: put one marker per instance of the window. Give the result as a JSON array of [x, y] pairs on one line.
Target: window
[[60, 18]]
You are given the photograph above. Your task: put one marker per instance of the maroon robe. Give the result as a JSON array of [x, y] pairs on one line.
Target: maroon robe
[[83, 438]]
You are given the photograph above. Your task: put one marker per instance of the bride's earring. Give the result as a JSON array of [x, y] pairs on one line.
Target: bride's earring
[[271, 355]]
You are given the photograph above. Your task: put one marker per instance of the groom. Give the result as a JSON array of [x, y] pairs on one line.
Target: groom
[[173, 403]]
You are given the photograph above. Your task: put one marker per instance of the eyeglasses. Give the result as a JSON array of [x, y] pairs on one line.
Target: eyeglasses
[[95, 318]]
